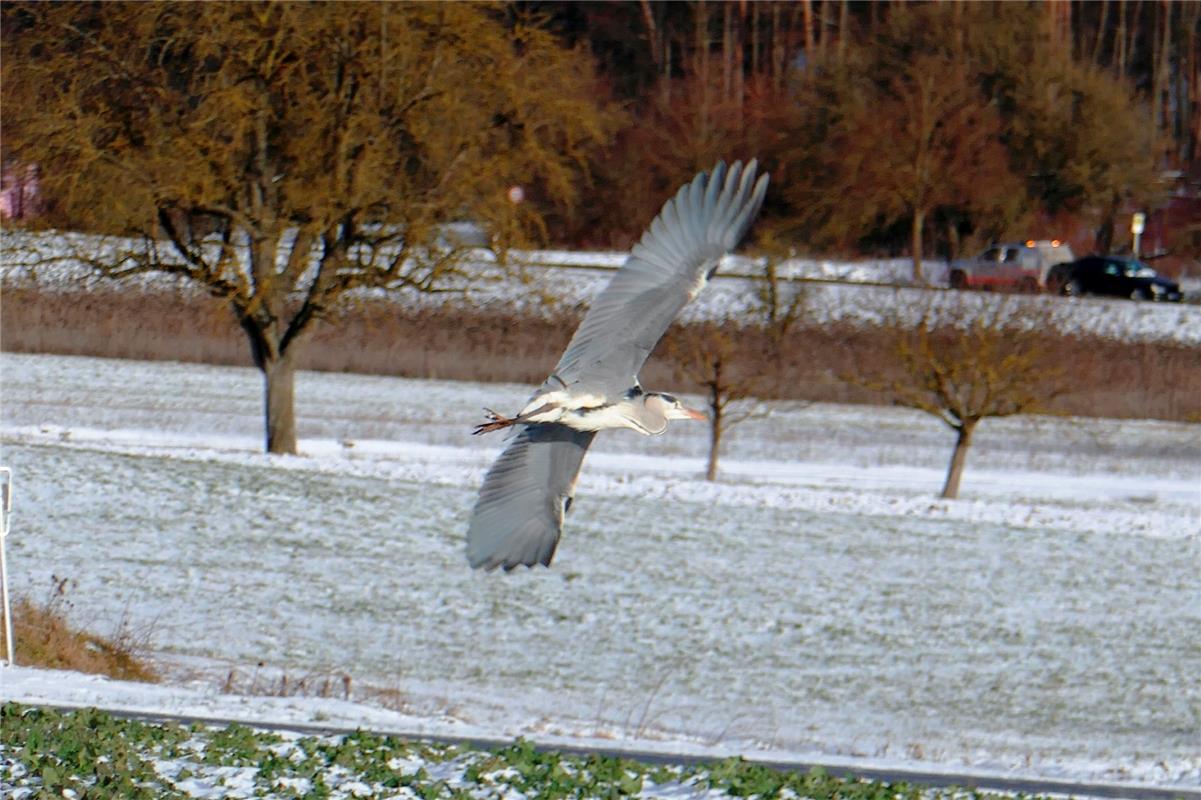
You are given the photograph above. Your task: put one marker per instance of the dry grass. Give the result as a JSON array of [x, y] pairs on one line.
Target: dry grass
[[278, 683], [1108, 378], [265, 681], [44, 638]]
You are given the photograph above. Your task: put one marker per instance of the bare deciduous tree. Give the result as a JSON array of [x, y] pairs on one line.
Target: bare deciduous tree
[[928, 140], [708, 355], [737, 364], [964, 360], [283, 155]]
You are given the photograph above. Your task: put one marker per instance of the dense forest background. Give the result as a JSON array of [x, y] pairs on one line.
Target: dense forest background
[[901, 126], [890, 128]]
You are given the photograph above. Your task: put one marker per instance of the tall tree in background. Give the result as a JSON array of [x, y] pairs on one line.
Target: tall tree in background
[[968, 115], [1154, 46], [702, 81], [282, 155], [719, 79], [1085, 142], [924, 141]]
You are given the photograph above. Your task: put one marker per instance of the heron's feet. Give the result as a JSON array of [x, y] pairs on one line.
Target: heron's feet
[[495, 423]]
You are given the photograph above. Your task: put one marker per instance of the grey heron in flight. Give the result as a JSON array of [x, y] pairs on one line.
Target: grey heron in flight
[[519, 514]]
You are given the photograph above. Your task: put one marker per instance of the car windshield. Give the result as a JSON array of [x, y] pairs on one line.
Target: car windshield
[[1136, 269]]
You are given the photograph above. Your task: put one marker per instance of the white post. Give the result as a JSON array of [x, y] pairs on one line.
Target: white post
[[6, 507], [1138, 224]]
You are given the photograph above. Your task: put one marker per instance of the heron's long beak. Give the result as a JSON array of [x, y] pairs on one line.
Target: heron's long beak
[[692, 413]]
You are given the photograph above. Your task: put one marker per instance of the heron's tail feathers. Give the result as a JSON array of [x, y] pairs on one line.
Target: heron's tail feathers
[[495, 422]]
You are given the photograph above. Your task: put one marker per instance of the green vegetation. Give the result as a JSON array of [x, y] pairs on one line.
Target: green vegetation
[[91, 754]]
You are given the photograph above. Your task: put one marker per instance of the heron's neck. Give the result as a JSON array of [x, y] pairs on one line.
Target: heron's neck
[[645, 420]]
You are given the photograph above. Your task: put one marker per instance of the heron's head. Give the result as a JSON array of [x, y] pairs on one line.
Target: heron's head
[[669, 407]]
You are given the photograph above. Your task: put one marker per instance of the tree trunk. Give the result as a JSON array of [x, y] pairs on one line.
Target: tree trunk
[[963, 441], [915, 242], [715, 430], [952, 239], [1107, 229], [957, 27], [1162, 106], [807, 10], [1133, 43], [280, 379], [1191, 108], [727, 52], [844, 15], [778, 50], [739, 57], [652, 32], [717, 407], [823, 31], [1101, 31], [1119, 40], [755, 52]]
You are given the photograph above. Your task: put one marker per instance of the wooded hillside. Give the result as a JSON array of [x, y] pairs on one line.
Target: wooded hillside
[[889, 128], [903, 126]]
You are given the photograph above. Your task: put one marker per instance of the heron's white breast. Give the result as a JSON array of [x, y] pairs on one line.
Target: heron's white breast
[[601, 418], [563, 400]]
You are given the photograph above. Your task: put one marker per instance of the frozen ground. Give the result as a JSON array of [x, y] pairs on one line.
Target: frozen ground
[[817, 600]]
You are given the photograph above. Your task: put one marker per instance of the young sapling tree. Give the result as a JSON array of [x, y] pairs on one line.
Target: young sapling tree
[[966, 359]]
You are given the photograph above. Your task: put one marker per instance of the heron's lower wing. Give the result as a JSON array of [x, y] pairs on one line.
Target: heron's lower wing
[[666, 269], [519, 514]]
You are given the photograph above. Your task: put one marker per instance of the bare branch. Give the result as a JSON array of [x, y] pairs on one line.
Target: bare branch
[[965, 361]]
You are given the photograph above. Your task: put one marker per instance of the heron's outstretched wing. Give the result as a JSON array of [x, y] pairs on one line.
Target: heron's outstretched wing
[[666, 269], [519, 513]]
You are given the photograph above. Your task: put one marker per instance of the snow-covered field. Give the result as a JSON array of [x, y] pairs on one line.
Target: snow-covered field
[[857, 292], [818, 600]]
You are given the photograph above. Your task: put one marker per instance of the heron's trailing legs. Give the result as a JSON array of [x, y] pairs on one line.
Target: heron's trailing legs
[[497, 421]]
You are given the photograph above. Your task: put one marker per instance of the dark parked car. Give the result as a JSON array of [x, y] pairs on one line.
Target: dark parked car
[[1116, 276]]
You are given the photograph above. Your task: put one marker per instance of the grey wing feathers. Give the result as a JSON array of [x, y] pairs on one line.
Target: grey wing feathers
[[519, 513], [684, 244]]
